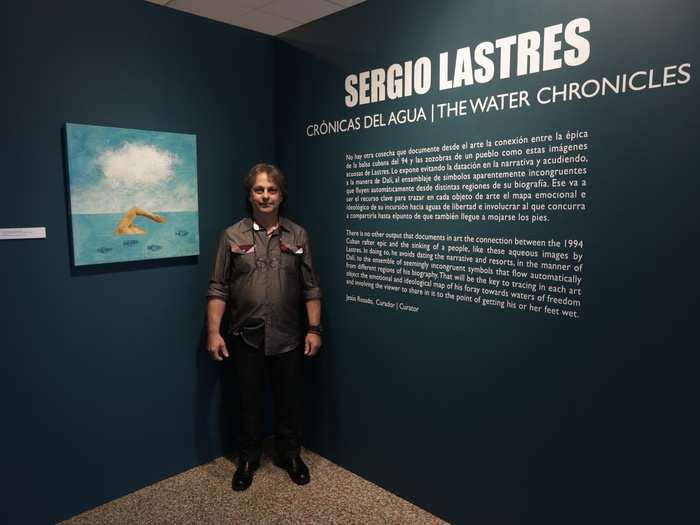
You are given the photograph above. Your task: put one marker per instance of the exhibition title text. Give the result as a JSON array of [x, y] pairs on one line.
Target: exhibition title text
[[551, 48]]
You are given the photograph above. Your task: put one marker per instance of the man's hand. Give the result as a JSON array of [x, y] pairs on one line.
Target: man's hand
[[312, 344], [216, 346]]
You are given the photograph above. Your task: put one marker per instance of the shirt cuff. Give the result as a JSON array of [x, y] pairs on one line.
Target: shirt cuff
[[312, 294], [217, 293]]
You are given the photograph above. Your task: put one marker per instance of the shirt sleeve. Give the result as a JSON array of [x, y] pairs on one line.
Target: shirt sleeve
[[219, 286], [310, 285]]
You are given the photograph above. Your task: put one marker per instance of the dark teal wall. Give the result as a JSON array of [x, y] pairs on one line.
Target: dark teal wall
[[490, 416], [104, 386]]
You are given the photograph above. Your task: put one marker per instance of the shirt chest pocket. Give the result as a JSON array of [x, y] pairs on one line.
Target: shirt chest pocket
[[242, 258], [290, 256]]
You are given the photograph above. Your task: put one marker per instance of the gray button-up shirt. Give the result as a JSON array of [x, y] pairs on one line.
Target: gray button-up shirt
[[265, 282]]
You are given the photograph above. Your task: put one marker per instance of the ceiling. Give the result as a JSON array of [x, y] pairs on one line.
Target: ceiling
[[271, 17]]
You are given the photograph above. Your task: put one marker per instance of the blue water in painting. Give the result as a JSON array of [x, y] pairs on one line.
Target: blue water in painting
[[94, 240]]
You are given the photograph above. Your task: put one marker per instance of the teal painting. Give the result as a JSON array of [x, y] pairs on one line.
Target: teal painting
[[133, 194]]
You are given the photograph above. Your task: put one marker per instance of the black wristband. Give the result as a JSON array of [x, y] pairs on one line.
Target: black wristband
[[315, 329]]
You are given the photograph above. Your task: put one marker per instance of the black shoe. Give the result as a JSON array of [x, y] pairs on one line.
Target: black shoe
[[244, 474], [296, 469]]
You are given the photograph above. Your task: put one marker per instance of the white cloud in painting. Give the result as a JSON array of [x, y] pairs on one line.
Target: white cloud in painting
[[137, 164], [135, 175]]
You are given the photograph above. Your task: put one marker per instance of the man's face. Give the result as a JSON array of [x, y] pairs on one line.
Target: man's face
[[265, 197]]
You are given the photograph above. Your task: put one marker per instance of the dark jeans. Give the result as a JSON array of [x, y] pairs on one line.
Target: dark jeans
[[284, 372]]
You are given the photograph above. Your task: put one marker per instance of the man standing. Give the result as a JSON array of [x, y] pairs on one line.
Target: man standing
[[263, 274]]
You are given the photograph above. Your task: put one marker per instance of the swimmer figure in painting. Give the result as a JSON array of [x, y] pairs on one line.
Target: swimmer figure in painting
[[126, 224]]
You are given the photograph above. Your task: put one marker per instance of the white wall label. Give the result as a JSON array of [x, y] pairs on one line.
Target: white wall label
[[22, 233]]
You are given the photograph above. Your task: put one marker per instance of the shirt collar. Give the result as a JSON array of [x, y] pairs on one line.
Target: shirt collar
[[250, 224]]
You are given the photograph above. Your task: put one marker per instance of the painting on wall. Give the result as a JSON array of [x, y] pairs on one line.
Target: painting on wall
[[133, 194]]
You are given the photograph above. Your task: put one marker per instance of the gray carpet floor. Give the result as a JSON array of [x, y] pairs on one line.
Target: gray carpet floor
[[203, 495]]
